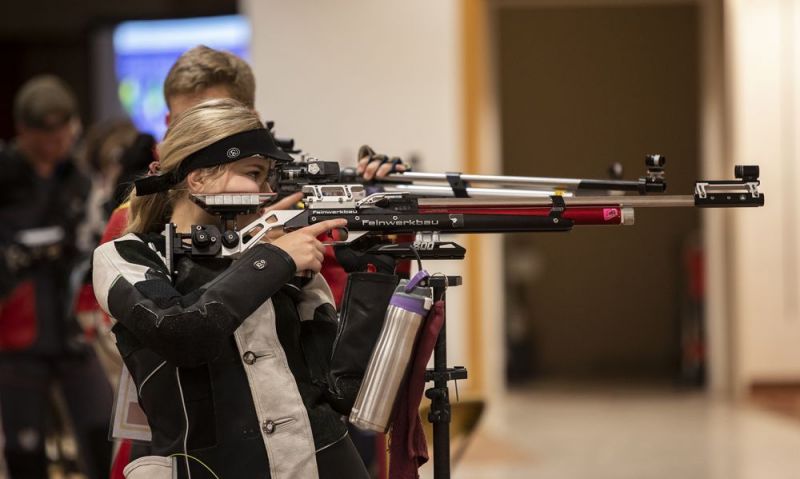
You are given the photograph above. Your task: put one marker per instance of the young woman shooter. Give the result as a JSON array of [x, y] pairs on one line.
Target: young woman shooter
[[230, 363]]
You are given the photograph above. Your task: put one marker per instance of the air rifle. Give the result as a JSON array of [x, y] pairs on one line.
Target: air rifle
[[372, 218]]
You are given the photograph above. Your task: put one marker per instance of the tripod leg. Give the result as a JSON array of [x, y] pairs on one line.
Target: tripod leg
[[439, 415]]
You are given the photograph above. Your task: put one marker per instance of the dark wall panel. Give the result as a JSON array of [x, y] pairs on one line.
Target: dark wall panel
[[581, 88]]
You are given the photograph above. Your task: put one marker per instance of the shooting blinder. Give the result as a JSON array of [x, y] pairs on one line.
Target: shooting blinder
[[227, 150]]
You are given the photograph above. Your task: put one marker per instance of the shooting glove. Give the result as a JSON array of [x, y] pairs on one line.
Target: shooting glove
[[367, 152], [364, 305]]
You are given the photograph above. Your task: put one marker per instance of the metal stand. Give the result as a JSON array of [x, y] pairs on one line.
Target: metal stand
[[439, 414]]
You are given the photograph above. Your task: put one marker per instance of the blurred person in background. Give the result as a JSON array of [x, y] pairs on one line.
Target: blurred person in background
[[103, 158], [42, 201], [199, 74]]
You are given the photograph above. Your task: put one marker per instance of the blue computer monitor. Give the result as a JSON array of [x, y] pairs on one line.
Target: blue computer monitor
[[145, 50]]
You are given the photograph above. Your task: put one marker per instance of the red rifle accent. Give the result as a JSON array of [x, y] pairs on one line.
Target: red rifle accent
[[595, 215]]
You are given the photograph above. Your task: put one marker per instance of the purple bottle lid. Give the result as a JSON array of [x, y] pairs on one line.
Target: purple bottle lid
[[414, 282]]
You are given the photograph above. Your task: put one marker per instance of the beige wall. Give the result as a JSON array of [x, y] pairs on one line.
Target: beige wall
[[335, 75], [763, 45], [716, 224]]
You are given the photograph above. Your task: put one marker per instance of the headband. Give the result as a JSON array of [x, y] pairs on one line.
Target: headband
[[227, 150]]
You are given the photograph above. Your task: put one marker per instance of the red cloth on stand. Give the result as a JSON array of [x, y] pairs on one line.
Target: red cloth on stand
[[408, 449]]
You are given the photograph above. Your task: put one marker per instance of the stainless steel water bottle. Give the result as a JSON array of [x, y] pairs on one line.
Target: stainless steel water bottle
[[391, 357]]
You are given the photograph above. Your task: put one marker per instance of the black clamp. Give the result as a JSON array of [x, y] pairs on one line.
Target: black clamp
[[440, 397], [450, 374], [559, 205], [440, 411], [458, 185]]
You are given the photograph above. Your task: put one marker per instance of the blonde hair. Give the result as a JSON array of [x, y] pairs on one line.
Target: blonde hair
[[202, 67], [193, 130]]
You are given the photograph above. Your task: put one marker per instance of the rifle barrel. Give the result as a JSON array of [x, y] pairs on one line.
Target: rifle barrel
[[665, 201], [557, 183], [540, 182], [447, 191]]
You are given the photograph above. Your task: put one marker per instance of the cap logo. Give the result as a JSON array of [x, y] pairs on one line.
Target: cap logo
[[233, 152]]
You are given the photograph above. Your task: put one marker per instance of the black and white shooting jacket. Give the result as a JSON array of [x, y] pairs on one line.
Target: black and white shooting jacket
[[229, 362]]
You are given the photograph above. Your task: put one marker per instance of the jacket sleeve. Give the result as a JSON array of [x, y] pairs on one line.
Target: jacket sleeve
[[133, 286]]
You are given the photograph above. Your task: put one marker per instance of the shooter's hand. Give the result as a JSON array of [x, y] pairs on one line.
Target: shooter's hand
[[304, 247], [373, 166]]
